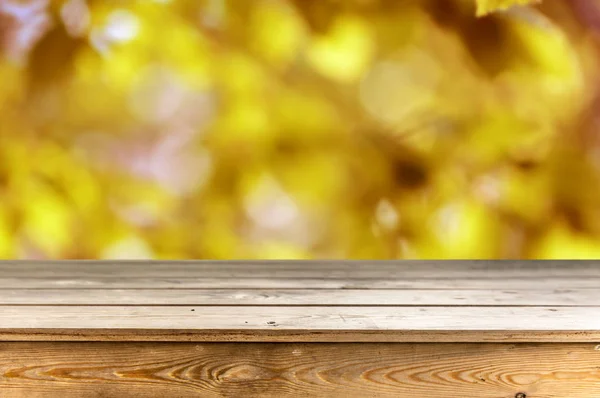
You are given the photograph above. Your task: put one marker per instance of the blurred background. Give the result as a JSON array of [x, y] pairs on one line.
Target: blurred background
[[358, 129]]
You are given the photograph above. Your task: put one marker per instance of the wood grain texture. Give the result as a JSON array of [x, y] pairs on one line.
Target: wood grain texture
[[296, 318], [327, 321], [75, 329], [166, 282], [496, 275], [300, 336], [422, 269], [300, 297], [68, 370], [309, 301]]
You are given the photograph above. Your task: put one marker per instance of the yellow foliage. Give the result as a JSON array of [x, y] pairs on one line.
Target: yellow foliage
[[300, 129], [486, 6], [345, 52]]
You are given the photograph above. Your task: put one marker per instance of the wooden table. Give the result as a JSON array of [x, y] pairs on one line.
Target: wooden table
[[506, 329]]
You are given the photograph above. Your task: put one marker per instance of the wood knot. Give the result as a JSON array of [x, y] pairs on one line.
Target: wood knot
[[521, 395]]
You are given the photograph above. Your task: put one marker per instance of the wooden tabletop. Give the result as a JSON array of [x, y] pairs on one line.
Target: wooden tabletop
[[316, 301]]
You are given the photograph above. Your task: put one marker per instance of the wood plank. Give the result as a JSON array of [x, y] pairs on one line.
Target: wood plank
[[309, 318], [409, 269], [300, 336], [143, 282], [316, 323], [73, 370], [537, 275], [302, 297]]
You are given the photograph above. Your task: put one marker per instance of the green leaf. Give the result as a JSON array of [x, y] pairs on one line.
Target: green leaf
[[486, 6]]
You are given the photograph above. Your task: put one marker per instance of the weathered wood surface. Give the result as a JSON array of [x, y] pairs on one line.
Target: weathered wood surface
[[460, 301], [190, 329], [300, 336], [167, 282], [302, 318], [302, 269], [301, 297], [438, 275], [69, 370]]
